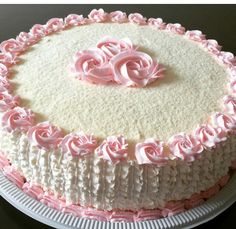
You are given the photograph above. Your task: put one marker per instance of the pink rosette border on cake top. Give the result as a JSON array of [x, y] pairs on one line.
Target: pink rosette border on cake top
[[217, 129]]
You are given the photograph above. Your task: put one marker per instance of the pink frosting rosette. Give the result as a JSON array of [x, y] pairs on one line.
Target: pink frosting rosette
[[111, 46], [8, 101], [38, 31], [118, 16], [137, 18], [74, 20], [26, 39], [17, 118], [133, 68], [4, 84], [92, 66], [195, 35], [226, 121], [97, 15], [186, 147], [13, 46], [212, 46], [151, 152], [232, 86], [175, 28], [157, 23], [3, 70], [78, 144], [209, 136], [227, 58], [113, 149], [229, 102], [44, 135], [232, 72], [54, 25], [8, 58]]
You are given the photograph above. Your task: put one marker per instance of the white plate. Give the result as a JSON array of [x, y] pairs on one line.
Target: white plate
[[188, 219]]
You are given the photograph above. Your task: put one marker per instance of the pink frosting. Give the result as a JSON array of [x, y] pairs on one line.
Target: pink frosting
[[232, 86], [14, 176], [148, 215], [209, 136], [54, 25], [173, 208], [212, 46], [175, 28], [38, 31], [224, 180], [13, 46], [44, 135], [113, 149], [17, 118], [8, 58], [157, 23], [3, 70], [32, 190], [98, 15], [8, 101], [137, 19], [53, 202], [3, 161], [185, 147], [74, 20], [226, 121], [121, 216], [73, 209], [195, 35], [96, 214], [92, 66], [233, 164], [133, 68], [4, 84], [26, 39], [194, 201], [78, 144], [229, 104], [118, 16], [232, 72], [227, 58], [151, 152], [112, 47], [211, 191]]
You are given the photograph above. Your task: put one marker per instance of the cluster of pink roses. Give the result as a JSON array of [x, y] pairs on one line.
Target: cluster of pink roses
[[116, 61]]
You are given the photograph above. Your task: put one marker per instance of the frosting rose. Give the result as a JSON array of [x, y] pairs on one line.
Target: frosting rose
[[92, 66], [227, 58], [133, 68], [17, 119], [226, 121], [74, 20], [54, 25], [185, 147], [78, 144], [3, 70], [44, 135], [209, 136], [232, 86], [137, 19], [157, 23], [195, 35], [26, 39], [232, 72], [8, 101], [118, 16], [4, 84], [97, 15], [38, 31], [13, 46], [229, 104], [112, 47], [151, 152], [212, 46], [113, 149], [7, 59], [175, 28]]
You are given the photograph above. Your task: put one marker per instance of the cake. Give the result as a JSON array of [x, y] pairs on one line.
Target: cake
[[117, 117]]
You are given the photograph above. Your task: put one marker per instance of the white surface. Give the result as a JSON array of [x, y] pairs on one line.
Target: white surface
[[191, 218]]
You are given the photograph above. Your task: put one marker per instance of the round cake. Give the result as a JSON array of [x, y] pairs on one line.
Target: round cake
[[117, 117]]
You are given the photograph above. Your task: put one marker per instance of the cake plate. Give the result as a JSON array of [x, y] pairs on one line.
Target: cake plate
[[188, 219]]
